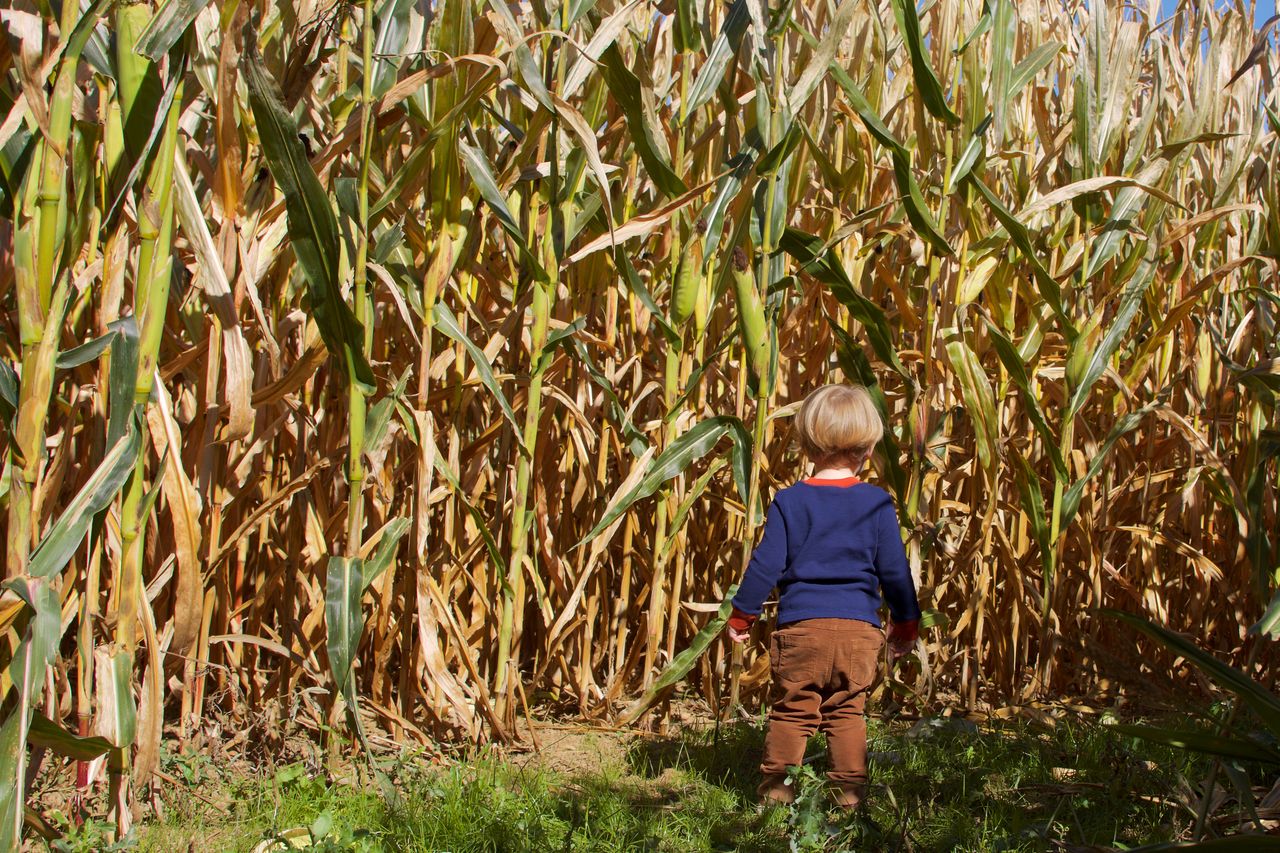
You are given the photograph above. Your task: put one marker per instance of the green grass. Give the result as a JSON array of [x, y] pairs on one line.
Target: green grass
[[943, 785]]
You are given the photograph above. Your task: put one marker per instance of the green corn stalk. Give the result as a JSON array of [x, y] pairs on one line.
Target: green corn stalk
[[358, 414], [513, 590], [544, 286], [658, 585], [756, 336], [41, 627], [454, 37], [136, 75], [42, 289]]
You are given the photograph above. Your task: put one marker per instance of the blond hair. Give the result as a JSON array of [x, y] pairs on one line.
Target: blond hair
[[838, 420]]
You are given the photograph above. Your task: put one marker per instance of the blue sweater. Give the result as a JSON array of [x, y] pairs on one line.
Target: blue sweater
[[830, 550]]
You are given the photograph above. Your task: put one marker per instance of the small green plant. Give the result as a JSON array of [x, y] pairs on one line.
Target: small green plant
[[92, 836], [807, 821], [194, 766], [326, 837]]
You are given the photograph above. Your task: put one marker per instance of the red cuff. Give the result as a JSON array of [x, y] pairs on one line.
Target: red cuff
[[905, 630], [741, 622]]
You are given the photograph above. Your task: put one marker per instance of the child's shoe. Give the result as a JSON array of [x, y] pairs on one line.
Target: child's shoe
[[848, 797], [776, 790]]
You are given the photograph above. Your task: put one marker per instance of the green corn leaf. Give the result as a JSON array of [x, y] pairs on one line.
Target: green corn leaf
[[779, 153], [823, 56], [344, 620], [66, 534], [1045, 283], [1129, 202], [482, 176], [1269, 624], [603, 37], [411, 172], [34, 652], [723, 50], [141, 148], [742, 456], [389, 43], [820, 261], [447, 323], [578, 127], [1130, 302], [979, 29], [378, 420], [678, 456], [117, 713], [1032, 499], [728, 186], [1258, 546], [48, 734], [385, 555], [917, 209], [636, 439], [1004, 34], [874, 124], [168, 25], [152, 494], [1035, 62], [312, 227], [1121, 428], [979, 399], [645, 134], [13, 760], [681, 663], [451, 477], [558, 337], [1261, 701], [39, 643], [695, 376], [84, 29], [637, 287], [969, 156], [688, 38], [913, 202], [1242, 748], [772, 208], [1013, 363], [15, 160], [933, 619], [682, 511], [123, 377], [927, 85], [10, 387], [573, 11], [530, 74], [86, 352]]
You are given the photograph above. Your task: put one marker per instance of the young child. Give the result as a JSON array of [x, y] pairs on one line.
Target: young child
[[831, 545]]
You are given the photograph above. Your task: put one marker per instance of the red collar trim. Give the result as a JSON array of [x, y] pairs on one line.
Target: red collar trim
[[835, 481]]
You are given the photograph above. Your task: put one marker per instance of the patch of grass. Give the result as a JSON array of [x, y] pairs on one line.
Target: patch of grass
[[940, 785]]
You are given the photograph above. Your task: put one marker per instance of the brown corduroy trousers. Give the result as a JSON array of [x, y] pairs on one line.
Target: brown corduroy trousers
[[822, 670]]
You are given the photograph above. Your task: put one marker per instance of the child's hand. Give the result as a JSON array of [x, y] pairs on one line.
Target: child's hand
[[902, 637], [740, 626]]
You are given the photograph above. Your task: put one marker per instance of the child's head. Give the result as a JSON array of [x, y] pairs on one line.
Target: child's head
[[838, 425]]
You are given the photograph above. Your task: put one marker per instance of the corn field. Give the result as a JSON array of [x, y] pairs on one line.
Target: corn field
[[413, 365]]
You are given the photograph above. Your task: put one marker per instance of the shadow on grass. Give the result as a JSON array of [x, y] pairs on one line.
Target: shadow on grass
[[727, 756], [946, 784], [940, 785]]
